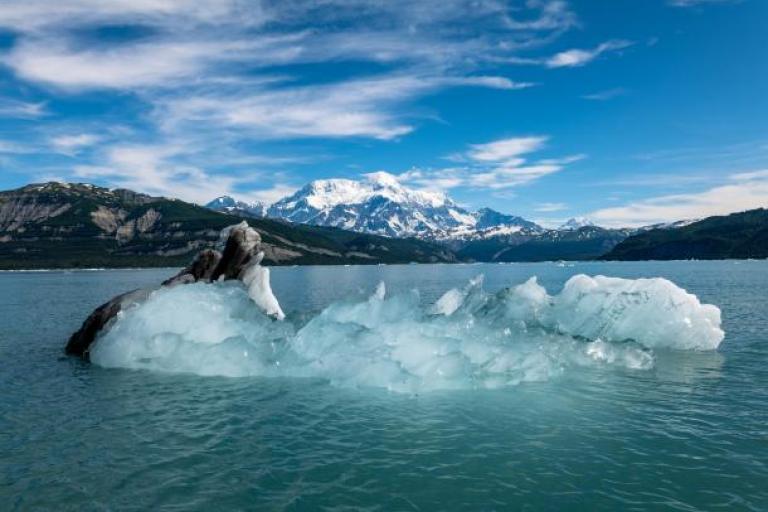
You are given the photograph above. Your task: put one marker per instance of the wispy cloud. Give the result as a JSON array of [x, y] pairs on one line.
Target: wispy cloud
[[496, 165], [581, 57], [551, 207], [505, 149], [746, 191], [22, 109], [354, 108], [218, 69], [72, 144], [14, 148], [607, 94], [232, 37], [267, 195], [235, 71], [694, 3], [193, 169], [153, 169], [34, 16], [160, 63]]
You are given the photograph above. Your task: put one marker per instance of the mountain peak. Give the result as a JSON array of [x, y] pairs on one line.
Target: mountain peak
[[383, 179], [380, 186], [379, 203], [575, 223], [222, 201], [229, 204]]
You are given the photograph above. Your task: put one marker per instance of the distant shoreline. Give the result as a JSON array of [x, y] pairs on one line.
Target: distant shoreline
[[458, 263]]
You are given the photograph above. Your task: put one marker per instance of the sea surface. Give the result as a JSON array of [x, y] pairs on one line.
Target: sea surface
[[688, 434]]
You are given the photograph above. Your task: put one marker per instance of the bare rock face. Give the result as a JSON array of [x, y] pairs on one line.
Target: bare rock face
[[201, 269], [80, 342], [239, 259], [241, 244]]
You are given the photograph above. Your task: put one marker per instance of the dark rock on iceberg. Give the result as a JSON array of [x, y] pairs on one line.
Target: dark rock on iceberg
[[80, 341], [241, 253]]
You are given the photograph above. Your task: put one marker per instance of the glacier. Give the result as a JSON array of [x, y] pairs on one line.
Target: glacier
[[467, 339]]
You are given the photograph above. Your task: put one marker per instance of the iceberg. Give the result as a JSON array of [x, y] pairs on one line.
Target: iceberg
[[467, 339], [238, 256]]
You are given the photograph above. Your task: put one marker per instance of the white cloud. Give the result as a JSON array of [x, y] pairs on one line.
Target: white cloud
[[159, 63], [164, 169], [72, 144], [268, 195], [202, 39], [354, 108], [505, 149], [44, 15], [216, 70], [22, 109], [14, 148], [751, 175], [748, 191], [551, 207], [154, 170], [605, 95], [578, 57], [496, 165], [207, 66], [693, 3]]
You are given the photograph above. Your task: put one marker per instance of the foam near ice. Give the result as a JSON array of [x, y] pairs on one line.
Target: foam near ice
[[466, 339]]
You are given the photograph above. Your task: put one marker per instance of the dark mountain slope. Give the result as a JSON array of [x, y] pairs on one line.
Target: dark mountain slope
[[739, 235], [585, 243], [55, 225]]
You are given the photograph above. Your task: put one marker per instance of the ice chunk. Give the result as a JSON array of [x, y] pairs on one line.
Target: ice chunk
[[256, 280], [208, 329], [454, 298], [468, 339], [653, 312]]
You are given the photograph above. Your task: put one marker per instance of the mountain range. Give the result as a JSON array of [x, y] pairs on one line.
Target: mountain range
[[379, 204], [68, 225]]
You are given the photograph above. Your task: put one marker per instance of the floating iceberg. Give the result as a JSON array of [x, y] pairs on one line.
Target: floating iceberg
[[467, 339]]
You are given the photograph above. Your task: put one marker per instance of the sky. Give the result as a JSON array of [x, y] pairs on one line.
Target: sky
[[629, 112]]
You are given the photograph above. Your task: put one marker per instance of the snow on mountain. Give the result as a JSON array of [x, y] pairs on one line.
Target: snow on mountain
[[669, 225], [229, 204], [380, 204], [576, 223]]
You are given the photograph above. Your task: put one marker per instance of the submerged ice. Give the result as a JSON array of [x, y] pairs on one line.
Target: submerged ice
[[467, 339]]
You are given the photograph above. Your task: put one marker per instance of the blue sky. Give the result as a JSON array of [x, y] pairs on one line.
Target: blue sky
[[630, 112]]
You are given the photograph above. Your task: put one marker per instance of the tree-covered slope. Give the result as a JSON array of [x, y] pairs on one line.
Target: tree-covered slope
[[585, 243], [739, 235], [55, 225]]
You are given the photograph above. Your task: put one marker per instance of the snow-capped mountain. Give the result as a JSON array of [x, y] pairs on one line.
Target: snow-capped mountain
[[576, 223], [380, 204], [229, 204]]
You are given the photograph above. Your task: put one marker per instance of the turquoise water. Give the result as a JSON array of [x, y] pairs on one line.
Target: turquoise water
[[689, 434]]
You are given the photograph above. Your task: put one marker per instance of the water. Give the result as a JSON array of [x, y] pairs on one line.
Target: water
[[689, 434]]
